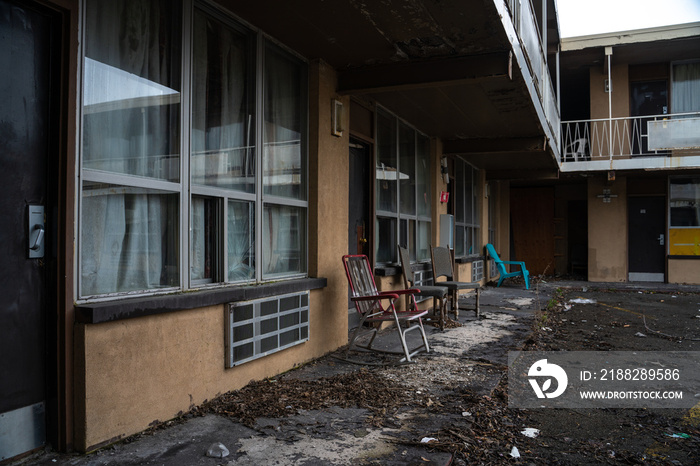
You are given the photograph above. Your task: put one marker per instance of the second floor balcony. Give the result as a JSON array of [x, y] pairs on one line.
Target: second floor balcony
[[644, 142]]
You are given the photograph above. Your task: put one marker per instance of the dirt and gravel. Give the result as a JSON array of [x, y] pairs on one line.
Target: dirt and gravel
[[617, 320]]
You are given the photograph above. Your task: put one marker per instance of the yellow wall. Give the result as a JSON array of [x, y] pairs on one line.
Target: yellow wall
[[136, 372], [607, 231]]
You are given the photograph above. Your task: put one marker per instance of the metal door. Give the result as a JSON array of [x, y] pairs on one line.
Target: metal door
[[25, 132], [647, 238]]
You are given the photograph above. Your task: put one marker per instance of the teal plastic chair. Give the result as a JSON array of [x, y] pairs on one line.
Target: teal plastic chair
[[501, 265]]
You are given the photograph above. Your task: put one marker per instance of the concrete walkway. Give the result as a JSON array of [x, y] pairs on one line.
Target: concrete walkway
[[465, 357]]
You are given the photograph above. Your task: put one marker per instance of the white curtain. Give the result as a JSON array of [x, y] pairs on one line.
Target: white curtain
[[282, 161], [685, 95], [129, 234], [220, 118]]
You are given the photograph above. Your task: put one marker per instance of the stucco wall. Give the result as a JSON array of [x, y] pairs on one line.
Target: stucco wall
[[132, 373], [684, 271], [600, 105], [607, 231]]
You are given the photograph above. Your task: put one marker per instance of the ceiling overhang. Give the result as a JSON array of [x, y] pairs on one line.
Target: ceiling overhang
[[446, 67]]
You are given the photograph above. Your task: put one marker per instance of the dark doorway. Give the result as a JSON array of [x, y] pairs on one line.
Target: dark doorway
[[358, 209], [577, 234], [27, 137], [532, 223], [359, 231], [646, 98], [647, 239]]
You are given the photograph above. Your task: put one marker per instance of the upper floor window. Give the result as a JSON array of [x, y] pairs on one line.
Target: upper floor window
[[402, 190], [182, 186], [685, 87]]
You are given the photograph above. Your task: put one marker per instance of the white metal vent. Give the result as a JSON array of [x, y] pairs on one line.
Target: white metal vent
[[422, 278], [477, 270], [263, 326], [493, 271]]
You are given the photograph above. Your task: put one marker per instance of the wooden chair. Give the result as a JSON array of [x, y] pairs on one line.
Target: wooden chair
[[375, 307], [442, 267], [501, 265], [438, 293]]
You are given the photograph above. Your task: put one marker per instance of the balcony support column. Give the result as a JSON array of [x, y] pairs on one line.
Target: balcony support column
[[608, 56]]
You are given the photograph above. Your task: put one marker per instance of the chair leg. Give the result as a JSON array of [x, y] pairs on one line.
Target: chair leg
[[418, 325], [476, 304], [455, 303]]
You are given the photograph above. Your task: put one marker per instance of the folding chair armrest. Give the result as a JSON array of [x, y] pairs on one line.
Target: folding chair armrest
[[513, 263], [375, 297], [406, 291]]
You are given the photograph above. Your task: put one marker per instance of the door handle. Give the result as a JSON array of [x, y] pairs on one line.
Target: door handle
[[38, 239], [661, 239], [36, 230]]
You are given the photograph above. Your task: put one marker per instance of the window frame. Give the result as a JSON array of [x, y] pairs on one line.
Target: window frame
[[683, 234], [406, 225], [184, 188], [470, 227]]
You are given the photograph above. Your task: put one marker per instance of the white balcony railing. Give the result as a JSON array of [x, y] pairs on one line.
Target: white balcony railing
[[625, 138]]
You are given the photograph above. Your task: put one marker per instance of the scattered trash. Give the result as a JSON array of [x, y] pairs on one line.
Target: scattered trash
[[466, 414], [530, 432], [584, 289], [515, 453], [640, 335], [583, 301], [567, 307], [678, 435], [428, 440], [547, 329], [217, 450]]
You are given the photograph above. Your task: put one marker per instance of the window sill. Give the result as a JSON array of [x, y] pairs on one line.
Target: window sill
[[129, 308], [469, 259], [391, 270]]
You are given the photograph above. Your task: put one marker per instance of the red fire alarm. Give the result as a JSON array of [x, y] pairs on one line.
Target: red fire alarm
[[444, 196]]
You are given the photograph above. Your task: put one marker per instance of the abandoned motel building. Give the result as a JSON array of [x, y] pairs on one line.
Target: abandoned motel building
[[181, 179]]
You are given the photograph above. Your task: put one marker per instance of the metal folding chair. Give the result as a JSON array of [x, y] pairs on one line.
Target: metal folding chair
[[438, 293], [375, 307], [442, 267]]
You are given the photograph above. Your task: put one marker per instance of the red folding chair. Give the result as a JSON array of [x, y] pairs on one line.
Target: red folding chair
[[374, 306]]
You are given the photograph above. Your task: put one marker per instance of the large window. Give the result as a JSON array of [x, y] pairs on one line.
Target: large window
[[402, 190], [684, 216], [185, 186], [467, 239], [685, 87]]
